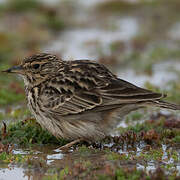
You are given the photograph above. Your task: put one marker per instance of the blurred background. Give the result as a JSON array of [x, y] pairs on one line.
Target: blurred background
[[138, 40]]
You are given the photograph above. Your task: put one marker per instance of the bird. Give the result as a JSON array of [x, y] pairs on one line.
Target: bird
[[80, 99]]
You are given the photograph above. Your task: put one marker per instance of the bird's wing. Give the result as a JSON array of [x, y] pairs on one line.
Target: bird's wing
[[73, 90], [124, 92], [84, 85]]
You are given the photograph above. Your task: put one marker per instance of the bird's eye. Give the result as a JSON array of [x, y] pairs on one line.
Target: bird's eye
[[35, 66]]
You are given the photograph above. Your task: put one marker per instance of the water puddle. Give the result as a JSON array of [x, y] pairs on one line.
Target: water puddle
[[12, 173], [56, 159], [88, 42]]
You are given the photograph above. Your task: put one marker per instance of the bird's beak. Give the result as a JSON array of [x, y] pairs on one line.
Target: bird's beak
[[15, 69]]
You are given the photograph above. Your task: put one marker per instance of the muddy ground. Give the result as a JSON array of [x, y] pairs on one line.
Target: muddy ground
[[139, 41]]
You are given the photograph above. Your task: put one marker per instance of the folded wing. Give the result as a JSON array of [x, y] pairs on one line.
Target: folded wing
[[90, 86]]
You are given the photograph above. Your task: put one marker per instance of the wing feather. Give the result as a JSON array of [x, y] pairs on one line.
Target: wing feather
[[90, 86]]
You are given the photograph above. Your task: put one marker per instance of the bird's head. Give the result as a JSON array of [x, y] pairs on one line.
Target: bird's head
[[37, 68]]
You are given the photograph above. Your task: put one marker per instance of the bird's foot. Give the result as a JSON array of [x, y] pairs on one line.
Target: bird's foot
[[68, 145]]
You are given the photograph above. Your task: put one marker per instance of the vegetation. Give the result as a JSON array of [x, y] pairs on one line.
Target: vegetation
[[147, 145]]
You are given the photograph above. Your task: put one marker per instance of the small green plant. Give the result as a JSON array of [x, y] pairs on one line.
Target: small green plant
[[28, 133], [12, 158]]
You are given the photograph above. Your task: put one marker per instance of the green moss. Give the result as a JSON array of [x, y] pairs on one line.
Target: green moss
[[134, 116], [152, 154], [12, 158], [175, 156], [63, 173], [104, 177], [51, 177], [121, 174], [139, 127], [56, 174], [83, 149], [176, 139], [156, 154], [19, 113], [29, 133]]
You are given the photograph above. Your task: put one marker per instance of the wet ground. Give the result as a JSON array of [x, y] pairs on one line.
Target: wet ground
[[138, 41]]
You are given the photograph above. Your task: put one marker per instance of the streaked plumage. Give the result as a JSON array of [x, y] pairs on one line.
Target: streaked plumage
[[81, 98]]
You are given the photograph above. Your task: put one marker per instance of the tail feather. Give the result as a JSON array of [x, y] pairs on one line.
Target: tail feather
[[167, 105]]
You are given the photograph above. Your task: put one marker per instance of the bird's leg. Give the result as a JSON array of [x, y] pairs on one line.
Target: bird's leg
[[68, 145]]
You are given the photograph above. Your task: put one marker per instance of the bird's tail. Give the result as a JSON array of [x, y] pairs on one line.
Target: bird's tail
[[167, 105]]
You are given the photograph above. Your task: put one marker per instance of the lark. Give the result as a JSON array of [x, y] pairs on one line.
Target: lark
[[80, 99]]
